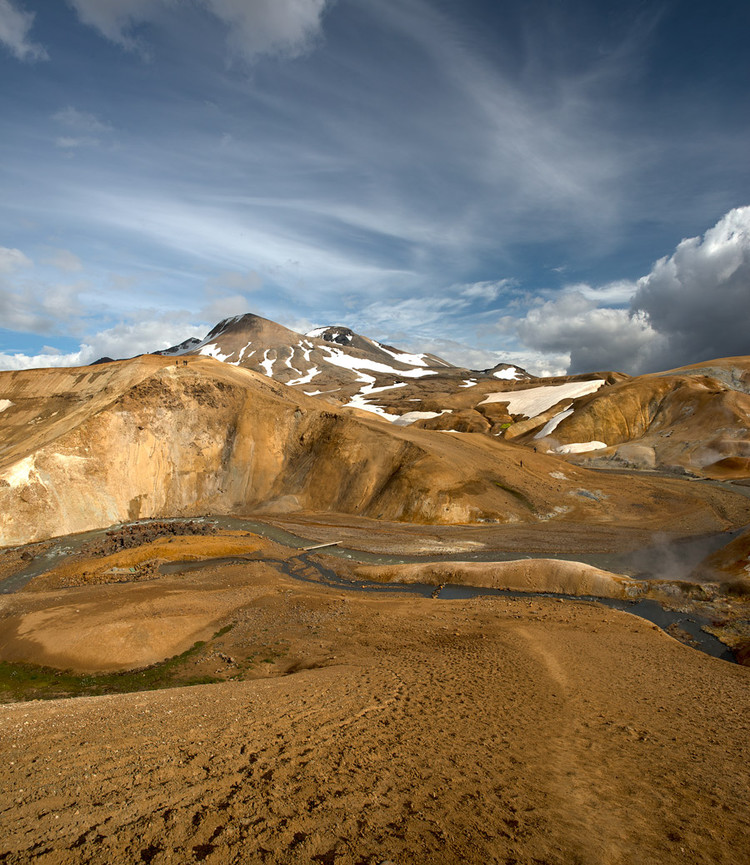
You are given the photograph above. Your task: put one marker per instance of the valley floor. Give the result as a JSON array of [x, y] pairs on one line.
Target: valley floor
[[396, 728]]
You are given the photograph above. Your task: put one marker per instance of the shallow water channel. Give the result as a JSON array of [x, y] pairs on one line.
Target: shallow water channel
[[304, 567]]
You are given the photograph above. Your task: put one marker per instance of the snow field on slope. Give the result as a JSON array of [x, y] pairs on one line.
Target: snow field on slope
[[402, 357], [535, 400], [345, 361], [581, 447], [412, 416], [5, 403]]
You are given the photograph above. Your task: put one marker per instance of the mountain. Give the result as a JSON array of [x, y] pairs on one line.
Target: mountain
[[608, 419], [85, 448], [339, 365]]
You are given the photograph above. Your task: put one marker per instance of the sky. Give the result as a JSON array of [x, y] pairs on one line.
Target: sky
[[561, 184]]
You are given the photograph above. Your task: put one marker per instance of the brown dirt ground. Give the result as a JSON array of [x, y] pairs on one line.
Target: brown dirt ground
[[390, 728]]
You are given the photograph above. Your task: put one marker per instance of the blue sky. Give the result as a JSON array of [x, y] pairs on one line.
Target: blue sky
[[560, 184]]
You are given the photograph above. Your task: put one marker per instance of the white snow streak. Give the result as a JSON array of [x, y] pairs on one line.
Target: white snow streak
[[306, 379], [346, 361], [553, 422], [402, 357], [242, 353], [358, 400], [267, 364], [5, 403], [469, 382]]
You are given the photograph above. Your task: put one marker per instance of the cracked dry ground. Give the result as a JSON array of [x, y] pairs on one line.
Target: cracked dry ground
[[481, 731]]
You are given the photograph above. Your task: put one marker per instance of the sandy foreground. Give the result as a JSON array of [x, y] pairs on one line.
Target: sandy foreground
[[402, 729]]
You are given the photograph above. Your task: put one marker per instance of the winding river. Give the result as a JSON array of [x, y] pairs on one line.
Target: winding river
[[304, 566]]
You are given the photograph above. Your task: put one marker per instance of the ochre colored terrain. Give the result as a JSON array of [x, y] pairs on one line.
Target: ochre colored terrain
[[405, 729], [86, 448]]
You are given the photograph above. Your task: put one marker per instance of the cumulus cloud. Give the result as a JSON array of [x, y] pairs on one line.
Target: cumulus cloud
[[699, 297], [255, 27], [594, 338], [692, 306], [150, 333], [33, 306], [15, 25]]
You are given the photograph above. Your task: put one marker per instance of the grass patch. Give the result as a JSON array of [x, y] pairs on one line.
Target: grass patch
[[19, 681]]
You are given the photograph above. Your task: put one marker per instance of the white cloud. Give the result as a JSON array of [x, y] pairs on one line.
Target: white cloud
[[461, 354], [692, 306], [255, 27], [35, 306], [12, 259], [15, 25], [618, 292], [486, 291], [699, 297], [126, 339], [115, 18], [288, 27], [595, 338]]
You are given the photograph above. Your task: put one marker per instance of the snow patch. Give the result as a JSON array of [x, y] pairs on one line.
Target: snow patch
[[469, 382], [213, 350], [533, 401], [306, 379], [5, 403], [509, 374], [581, 447], [267, 364], [358, 400], [402, 357], [553, 423], [412, 416], [333, 333]]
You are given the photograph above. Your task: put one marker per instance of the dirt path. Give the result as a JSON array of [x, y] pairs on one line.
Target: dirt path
[[481, 732]]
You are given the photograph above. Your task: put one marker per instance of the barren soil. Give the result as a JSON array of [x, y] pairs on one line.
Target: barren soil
[[373, 728]]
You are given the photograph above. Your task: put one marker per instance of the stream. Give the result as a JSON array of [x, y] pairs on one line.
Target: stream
[[303, 567]]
